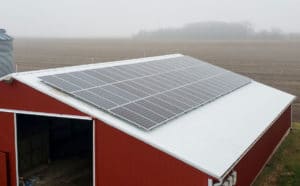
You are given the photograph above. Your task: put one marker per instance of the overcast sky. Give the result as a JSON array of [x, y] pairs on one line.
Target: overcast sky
[[121, 18]]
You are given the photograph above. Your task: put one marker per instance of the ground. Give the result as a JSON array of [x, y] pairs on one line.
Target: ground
[[77, 174], [284, 167]]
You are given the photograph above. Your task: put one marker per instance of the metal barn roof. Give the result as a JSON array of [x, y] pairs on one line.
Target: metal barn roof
[[211, 138]]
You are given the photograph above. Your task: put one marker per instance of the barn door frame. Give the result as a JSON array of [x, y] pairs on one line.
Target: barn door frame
[[16, 149], [52, 115]]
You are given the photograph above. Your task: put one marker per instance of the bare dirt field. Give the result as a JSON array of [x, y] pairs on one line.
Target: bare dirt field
[[276, 63]]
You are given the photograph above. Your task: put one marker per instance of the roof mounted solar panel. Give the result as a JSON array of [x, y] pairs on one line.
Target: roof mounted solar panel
[[149, 94]]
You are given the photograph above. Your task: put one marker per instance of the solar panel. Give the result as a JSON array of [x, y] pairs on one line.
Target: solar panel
[[151, 93]]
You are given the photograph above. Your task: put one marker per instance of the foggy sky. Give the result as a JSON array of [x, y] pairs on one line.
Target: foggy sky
[[121, 18]]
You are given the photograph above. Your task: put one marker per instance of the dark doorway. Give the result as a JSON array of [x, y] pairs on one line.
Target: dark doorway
[[55, 151]]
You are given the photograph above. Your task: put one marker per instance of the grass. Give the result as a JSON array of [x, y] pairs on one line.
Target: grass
[[284, 167]]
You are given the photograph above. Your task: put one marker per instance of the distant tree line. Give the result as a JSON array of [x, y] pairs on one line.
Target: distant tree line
[[216, 31]]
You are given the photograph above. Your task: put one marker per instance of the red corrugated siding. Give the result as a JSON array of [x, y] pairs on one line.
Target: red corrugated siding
[[124, 160], [21, 97], [7, 144], [251, 164], [3, 169]]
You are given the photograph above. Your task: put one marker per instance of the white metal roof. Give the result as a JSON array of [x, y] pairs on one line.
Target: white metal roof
[[211, 138]]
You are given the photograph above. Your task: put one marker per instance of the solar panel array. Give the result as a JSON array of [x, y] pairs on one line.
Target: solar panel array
[[148, 94]]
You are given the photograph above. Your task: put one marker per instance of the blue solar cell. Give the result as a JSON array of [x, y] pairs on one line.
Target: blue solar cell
[[88, 78], [99, 91], [156, 108], [133, 117], [131, 90], [99, 76], [120, 92], [75, 81], [60, 84], [149, 114], [98, 101], [164, 104]]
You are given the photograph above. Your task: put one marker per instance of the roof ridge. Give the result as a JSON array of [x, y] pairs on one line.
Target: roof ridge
[[83, 66]]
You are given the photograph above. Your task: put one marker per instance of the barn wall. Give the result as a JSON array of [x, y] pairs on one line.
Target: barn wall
[[7, 144], [22, 97], [251, 164], [124, 160], [3, 169]]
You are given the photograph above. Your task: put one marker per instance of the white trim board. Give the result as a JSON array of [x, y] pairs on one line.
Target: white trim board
[[46, 114], [16, 148], [94, 153]]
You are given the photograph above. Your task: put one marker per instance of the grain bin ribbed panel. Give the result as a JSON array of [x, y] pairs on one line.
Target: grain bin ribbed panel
[[6, 54]]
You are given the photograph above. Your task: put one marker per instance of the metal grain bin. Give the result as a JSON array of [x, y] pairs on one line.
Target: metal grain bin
[[6, 54]]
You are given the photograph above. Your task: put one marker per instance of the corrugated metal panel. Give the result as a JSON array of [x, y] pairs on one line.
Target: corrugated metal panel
[[136, 163], [6, 54], [3, 169], [4, 36]]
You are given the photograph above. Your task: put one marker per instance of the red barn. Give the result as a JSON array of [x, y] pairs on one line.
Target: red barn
[[224, 142]]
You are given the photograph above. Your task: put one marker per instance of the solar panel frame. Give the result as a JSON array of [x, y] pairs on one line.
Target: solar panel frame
[[149, 91], [100, 76], [145, 81], [108, 72], [186, 94], [182, 99], [59, 83], [124, 73], [172, 101], [93, 99], [164, 104], [120, 92], [87, 77], [74, 80], [126, 68], [99, 91], [153, 116], [156, 108], [133, 117], [131, 89]]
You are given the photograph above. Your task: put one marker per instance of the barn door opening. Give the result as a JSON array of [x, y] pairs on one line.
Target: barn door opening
[[54, 151]]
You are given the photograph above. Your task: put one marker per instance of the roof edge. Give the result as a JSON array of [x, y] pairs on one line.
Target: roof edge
[[7, 77], [259, 137]]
